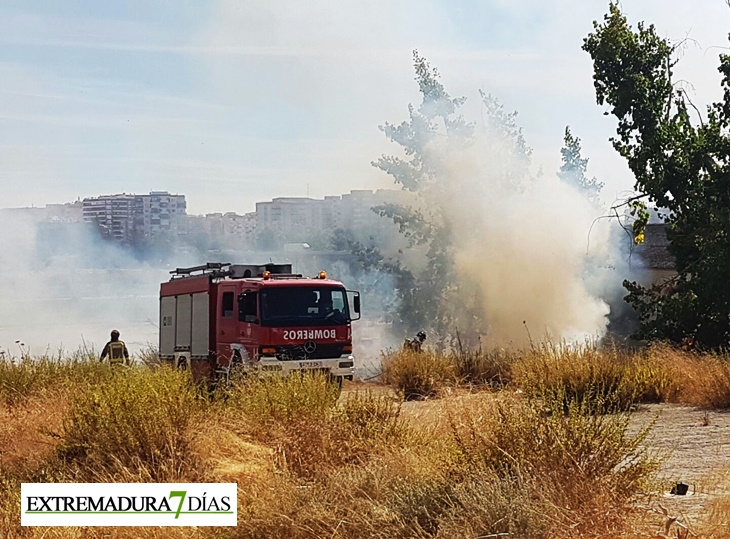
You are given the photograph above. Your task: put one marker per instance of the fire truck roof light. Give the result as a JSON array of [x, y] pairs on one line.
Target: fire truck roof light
[[267, 275], [322, 274]]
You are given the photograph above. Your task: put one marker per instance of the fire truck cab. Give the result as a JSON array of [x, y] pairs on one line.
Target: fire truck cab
[[220, 315]]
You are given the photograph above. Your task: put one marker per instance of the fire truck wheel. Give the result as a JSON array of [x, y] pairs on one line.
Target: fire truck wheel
[[236, 359], [237, 370]]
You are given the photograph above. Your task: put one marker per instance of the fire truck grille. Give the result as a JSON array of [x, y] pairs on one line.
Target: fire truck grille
[[322, 351]]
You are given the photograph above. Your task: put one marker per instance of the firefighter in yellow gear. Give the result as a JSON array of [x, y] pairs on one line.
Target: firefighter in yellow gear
[[416, 343], [116, 350]]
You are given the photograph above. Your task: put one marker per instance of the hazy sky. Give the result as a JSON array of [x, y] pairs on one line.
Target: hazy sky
[[236, 101]]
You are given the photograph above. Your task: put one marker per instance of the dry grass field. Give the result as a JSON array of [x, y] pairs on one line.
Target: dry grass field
[[554, 441]]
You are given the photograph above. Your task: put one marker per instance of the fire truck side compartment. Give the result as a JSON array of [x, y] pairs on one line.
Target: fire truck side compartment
[[183, 322], [167, 326], [201, 325]]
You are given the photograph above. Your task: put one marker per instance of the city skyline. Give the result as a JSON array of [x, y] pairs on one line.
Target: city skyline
[[154, 221], [80, 199]]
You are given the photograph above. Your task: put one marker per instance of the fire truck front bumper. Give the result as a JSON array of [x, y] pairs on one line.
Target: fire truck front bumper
[[341, 367]]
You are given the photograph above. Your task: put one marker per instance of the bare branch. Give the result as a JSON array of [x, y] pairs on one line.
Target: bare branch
[[682, 44], [687, 98], [615, 215]]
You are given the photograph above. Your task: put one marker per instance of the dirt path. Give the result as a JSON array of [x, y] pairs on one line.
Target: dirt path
[[696, 447]]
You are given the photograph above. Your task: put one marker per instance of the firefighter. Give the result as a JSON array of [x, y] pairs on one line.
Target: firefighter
[[324, 306], [116, 350], [416, 343], [327, 309]]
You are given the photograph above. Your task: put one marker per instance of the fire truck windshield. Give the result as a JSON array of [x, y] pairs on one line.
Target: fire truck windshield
[[304, 306]]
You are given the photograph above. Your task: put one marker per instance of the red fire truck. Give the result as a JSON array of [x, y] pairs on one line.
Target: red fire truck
[[218, 316]]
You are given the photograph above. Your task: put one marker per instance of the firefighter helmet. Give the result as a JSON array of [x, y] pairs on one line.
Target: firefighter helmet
[[115, 334]]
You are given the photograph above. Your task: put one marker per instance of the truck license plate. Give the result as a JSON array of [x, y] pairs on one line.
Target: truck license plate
[[309, 364]]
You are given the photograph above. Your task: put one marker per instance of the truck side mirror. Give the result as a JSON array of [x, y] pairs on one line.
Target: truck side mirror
[[355, 295]]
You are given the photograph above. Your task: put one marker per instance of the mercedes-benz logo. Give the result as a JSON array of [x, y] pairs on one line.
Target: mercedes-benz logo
[[310, 347]]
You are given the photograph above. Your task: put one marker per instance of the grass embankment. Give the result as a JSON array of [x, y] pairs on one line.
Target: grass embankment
[[310, 464]]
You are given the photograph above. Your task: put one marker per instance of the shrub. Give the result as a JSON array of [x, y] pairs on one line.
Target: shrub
[[491, 368], [653, 380], [418, 375], [716, 525], [705, 382], [364, 465], [512, 436], [583, 374], [501, 467], [488, 505], [299, 416], [571, 468], [369, 416], [136, 422]]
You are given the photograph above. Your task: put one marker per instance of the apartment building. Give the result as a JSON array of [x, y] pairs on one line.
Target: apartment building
[[113, 216], [290, 216], [225, 225], [126, 217], [159, 212], [296, 217]]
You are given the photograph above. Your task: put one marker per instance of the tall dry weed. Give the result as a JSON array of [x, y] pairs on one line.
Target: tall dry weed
[[577, 373], [309, 431], [558, 461], [24, 377], [716, 523], [271, 398], [312, 465], [490, 368], [135, 425], [418, 375], [697, 379], [513, 436], [149, 355], [501, 468]]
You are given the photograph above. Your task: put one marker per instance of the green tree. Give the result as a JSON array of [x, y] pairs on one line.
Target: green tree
[[431, 296], [574, 166], [678, 164], [342, 239]]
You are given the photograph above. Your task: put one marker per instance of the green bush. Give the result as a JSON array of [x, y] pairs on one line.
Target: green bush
[[138, 422]]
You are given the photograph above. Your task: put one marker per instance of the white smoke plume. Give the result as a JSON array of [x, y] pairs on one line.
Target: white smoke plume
[[61, 287], [522, 245]]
